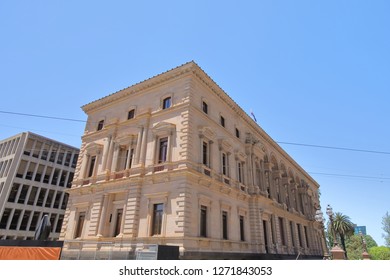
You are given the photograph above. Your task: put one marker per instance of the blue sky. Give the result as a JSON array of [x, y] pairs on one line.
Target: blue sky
[[313, 72]]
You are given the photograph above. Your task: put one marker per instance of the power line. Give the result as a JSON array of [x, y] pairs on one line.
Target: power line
[[42, 116], [335, 148], [351, 176], [279, 142]]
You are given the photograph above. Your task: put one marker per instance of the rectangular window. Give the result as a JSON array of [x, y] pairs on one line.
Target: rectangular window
[[30, 171], [53, 155], [100, 125], [74, 160], [34, 221], [13, 192], [205, 107], [41, 197], [118, 222], [52, 221], [242, 228], [32, 196], [48, 172], [281, 230], [240, 172], [224, 164], [265, 232], [80, 225], [299, 235], [38, 175], [70, 180], [5, 218], [67, 158], [224, 225], [57, 200], [205, 153], [60, 156], [273, 230], [21, 169], [15, 219], [167, 103], [130, 114], [26, 216], [65, 201], [131, 157], [292, 233], [157, 218], [59, 223], [54, 179], [306, 236], [23, 194], [49, 198], [222, 121], [45, 151], [203, 221], [29, 147], [37, 149], [91, 166], [63, 178], [163, 150]]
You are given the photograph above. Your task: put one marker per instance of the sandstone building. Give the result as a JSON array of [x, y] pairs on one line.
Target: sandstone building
[[173, 160], [35, 171]]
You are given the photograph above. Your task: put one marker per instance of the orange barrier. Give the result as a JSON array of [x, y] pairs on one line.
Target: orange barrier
[[29, 253]]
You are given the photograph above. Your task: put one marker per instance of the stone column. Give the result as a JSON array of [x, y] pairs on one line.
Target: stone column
[[103, 215], [138, 147], [114, 164], [143, 146], [105, 152]]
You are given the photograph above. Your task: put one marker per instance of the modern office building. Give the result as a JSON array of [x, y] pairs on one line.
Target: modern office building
[[360, 229], [34, 173], [173, 160]]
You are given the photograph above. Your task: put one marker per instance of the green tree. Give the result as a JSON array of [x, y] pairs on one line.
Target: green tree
[[343, 228], [379, 253], [354, 246], [386, 228]]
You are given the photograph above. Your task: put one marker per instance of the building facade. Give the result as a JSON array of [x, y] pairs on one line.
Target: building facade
[[35, 171], [173, 160]]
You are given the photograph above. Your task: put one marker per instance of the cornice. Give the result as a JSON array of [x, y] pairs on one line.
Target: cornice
[[148, 83]]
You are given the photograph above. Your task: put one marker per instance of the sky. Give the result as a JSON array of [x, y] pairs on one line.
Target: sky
[[313, 72]]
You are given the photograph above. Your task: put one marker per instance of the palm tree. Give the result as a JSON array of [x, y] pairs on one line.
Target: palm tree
[[343, 228]]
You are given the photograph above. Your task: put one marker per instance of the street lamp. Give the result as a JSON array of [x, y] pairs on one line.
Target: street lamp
[[337, 252], [319, 217], [329, 212], [365, 254]]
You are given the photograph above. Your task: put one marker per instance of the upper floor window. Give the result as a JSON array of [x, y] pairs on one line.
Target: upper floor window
[[100, 125], [224, 225], [91, 166], [157, 218], [222, 121], [225, 164], [163, 150], [205, 107], [203, 221], [205, 153], [167, 102], [240, 171], [237, 133], [80, 225], [130, 114]]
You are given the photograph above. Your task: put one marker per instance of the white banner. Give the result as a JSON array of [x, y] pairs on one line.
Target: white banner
[[200, 270]]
